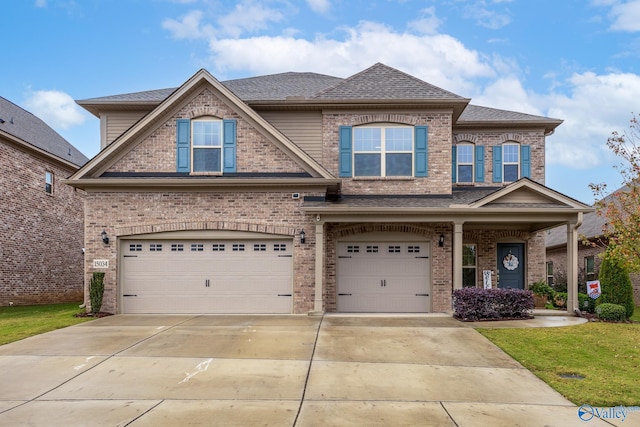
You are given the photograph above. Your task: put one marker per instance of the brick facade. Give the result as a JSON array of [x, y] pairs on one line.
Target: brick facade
[[40, 234]]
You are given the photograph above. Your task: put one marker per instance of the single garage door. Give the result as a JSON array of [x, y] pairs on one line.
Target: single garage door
[[384, 277], [192, 276]]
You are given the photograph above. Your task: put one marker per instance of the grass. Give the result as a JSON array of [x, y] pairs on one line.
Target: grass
[[19, 322], [606, 355]]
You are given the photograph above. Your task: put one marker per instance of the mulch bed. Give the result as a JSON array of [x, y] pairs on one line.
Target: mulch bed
[[97, 315]]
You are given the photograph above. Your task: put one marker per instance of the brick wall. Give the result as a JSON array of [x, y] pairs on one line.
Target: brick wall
[[157, 151], [131, 213], [40, 234], [439, 163]]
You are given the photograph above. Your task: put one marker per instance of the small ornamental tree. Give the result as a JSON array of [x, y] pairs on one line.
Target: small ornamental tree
[[96, 291], [621, 209], [615, 284]]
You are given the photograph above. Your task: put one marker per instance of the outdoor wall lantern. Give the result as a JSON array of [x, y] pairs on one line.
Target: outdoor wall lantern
[[105, 238], [441, 240], [302, 236]]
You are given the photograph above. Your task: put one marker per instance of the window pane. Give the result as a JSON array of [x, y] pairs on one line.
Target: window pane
[[511, 153], [367, 165], [207, 133], [367, 139], [469, 255], [590, 265], [510, 173], [399, 164], [398, 139], [206, 160], [469, 277], [48, 182], [465, 173], [464, 153]]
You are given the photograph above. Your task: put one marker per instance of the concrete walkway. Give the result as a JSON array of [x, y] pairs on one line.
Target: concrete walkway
[[273, 371]]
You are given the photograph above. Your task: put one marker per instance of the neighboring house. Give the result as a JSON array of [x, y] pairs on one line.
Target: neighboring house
[[301, 192], [589, 258], [42, 222]]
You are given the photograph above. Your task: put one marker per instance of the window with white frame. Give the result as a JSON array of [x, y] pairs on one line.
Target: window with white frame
[[206, 137], [510, 162], [464, 162], [383, 151], [550, 273], [48, 182], [469, 267]]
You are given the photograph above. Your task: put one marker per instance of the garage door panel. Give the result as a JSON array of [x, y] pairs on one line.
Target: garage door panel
[[207, 277], [384, 277]]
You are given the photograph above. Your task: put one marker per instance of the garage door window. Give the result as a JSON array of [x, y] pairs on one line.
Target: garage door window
[[155, 247], [218, 247], [177, 247], [197, 247]]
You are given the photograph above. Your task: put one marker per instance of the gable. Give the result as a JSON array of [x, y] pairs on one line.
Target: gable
[[148, 145]]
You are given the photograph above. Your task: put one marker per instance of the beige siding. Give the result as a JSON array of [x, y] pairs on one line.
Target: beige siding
[[304, 128], [118, 122]]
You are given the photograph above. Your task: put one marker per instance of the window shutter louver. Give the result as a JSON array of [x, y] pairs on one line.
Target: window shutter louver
[[183, 137], [454, 164], [229, 146], [497, 164], [525, 161], [479, 163], [345, 155], [421, 151]]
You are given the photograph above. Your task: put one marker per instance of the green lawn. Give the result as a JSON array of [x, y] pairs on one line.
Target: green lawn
[[21, 322], [606, 355]]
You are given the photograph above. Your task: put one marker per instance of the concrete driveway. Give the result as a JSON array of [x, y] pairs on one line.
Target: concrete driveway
[[271, 371]]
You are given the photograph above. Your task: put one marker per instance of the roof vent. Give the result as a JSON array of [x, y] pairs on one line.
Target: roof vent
[[11, 120], [1, 121]]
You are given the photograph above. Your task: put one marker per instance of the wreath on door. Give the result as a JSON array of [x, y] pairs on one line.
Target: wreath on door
[[510, 262]]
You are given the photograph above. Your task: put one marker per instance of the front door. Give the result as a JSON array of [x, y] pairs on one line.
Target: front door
[[511, 264]]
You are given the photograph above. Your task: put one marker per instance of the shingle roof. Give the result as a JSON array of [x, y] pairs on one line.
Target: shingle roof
[[383, 82], [32, 130], [476, 113]]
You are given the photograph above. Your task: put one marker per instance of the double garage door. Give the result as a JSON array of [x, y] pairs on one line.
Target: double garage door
[[207, 276], [384, 277]]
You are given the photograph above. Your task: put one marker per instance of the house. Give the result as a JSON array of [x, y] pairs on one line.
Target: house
[[306, 193], [591, 245], [42, 222]]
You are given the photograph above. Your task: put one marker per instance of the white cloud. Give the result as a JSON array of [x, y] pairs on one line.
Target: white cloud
[[41, 3], [248, 16], [319, 6], [625, 16], [438, 59], [485, 16], [428, 22], [596, 106], [188, 27], [56, 108]]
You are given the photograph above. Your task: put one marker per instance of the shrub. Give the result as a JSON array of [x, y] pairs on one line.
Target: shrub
[[543, 289], [560, 299], [485, 304], [615, 284], [611, 312], [96, 291], [586, 303]]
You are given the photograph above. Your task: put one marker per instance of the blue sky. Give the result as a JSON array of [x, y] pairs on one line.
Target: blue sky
[[576, 60]]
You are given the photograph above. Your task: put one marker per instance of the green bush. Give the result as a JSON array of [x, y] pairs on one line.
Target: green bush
[[611, 312], [96, 291], [586, 303], [615, 284], [542, 288]]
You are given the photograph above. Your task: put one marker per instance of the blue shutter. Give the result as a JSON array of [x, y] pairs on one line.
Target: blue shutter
[[497, 164], [183, 149], [346, 149], [421, 151], [479, 163], [229, 146], [454, 163], [525, 161]]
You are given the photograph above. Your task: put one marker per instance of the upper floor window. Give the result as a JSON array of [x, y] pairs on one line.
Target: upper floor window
[[511, 161], [468, 163], [206, 144], [383, 150], [48, 182]]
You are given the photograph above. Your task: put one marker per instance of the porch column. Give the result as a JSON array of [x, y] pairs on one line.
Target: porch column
[[319, 280], [457, 255], [572, 263]]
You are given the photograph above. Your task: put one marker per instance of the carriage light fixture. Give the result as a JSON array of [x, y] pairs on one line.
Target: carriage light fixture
[[441, 240], [302, 236], [105, 238]]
